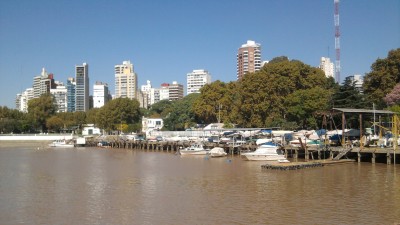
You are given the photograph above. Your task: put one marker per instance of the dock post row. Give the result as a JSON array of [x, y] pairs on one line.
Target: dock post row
[[310, 153]]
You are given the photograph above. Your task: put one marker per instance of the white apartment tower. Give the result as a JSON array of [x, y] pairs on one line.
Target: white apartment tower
[[164, 91], [358, 82], [82, 87], [125, 81], [248, 59], [196, 80], [327, 66], [42, 83], [100, 94], [22, 100], [60, 96], [146, 89], [154, 95]]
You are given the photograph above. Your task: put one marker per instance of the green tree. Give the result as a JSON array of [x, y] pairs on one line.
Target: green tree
[[159, 109], [384, 75], [11, 120], [213, 103], [79, 119], [67, 119], [303, 104], [40, 109], [118, 111], [182, 116], [54, 123], [91, 115], [279, 59], [262, 94], [348, 96]]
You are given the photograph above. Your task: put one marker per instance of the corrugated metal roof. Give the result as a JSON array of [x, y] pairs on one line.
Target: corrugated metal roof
[[345, 110]]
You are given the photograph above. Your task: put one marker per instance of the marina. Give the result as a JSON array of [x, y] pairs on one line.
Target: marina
[[371, 154]]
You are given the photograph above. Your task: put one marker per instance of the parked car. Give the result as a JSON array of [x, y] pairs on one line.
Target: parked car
[[159, 138]]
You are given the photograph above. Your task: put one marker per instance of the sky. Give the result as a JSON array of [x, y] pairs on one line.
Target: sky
[[165, 40]]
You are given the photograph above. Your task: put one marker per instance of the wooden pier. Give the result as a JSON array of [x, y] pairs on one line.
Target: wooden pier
[[314, 153], [371, 154], [167, 146]]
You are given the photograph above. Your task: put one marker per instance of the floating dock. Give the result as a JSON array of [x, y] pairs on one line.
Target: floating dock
[[303, 165]]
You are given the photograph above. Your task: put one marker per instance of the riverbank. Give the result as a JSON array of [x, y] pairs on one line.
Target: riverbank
[[36, 137], [24, 144]]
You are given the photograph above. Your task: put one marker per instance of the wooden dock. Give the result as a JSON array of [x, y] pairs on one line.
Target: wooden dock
[[372, 154], [303, 165], [328, 153]]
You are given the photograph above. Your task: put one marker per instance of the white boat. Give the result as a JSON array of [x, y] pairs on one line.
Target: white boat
[[194, 149], [217, 152], [61, 143], [267, 151]]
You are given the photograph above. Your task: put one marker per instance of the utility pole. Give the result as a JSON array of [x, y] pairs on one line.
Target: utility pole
[[337, 41], [219, 112]]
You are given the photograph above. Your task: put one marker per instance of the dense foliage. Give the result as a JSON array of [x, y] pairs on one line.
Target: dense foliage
[[384, 75], [181, 116], [348, 96], [268, 97], [40, 109], [393, 97], [118, 114]]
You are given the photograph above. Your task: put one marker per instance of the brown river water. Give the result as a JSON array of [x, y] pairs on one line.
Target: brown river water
[[40, 185]]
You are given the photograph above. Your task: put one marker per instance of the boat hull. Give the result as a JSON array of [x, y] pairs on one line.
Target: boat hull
[[193, 152], [217, 152], [215, 155], [260, 157], [62, 146]]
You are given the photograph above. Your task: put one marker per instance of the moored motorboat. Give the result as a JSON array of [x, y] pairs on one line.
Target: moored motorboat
[[217, 152], [62, 143], [267, 152], [194, 149]]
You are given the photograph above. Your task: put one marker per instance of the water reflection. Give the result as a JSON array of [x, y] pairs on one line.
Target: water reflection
[[103, 186]]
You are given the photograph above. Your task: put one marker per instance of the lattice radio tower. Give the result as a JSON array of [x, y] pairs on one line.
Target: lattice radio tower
[[337, 41]]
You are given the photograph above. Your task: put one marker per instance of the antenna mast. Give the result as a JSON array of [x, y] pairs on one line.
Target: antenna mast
[[337, 41]]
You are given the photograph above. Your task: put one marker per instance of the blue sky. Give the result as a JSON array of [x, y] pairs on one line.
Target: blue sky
[[167, 39]]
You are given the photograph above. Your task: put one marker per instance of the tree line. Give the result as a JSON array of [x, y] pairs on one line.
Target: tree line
[[284, 93]]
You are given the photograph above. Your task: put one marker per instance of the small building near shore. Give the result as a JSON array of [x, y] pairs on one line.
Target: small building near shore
[[90, 129], [150, 124]]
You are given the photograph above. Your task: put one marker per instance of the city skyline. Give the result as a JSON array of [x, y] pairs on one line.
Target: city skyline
[[165, 41]]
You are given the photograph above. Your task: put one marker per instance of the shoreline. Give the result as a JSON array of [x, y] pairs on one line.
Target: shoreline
[[40, 137]]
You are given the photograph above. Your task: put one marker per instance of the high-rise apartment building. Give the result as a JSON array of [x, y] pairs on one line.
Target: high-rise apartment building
[[142, 98], [145, 92], [125, 81], [248, 59], [42, 83], [21, 102], [358, 82], [100, 94], [175, 91], [154, 95], [60, 97], [164, 91], [196, 80], [327, 66], [82, 87], [71, 91]]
